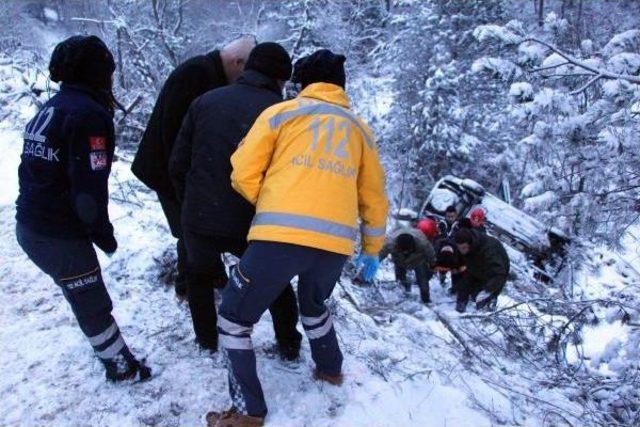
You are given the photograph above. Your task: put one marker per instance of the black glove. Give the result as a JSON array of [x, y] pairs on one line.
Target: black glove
[[107, 243]]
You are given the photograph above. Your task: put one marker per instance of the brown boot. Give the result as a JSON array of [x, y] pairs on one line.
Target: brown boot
[[232, 418], [331, 379]]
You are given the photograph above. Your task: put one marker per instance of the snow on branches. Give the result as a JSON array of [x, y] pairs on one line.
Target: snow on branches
[[577, 104]]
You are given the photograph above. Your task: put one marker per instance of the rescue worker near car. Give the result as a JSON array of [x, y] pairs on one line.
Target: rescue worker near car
[[450, 225], [478, 219], [411, 250], [487, 269], [63, 194], [311, 168], [447, 229]]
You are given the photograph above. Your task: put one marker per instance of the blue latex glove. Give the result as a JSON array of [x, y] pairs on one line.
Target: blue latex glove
[[369, 265]]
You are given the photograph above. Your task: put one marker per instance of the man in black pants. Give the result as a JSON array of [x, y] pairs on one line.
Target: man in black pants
[[215, 218], [188, 81], [62, 209], [487, 268]]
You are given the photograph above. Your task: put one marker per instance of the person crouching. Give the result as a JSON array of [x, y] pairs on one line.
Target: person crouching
[[411, 250], [487, 268]]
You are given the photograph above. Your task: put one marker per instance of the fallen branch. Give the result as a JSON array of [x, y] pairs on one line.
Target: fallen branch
[[447, 324]]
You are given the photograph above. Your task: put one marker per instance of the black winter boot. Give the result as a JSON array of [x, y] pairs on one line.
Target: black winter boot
[[461, 306], [289, 352], [118, 370]]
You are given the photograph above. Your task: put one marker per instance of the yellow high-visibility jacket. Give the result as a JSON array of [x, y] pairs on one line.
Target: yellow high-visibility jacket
[[311, 167]]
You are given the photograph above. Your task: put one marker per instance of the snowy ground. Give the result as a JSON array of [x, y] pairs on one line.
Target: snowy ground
[[403, 365]]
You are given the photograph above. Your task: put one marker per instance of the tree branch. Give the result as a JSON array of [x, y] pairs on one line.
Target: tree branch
[[586, 85], [575, 61]]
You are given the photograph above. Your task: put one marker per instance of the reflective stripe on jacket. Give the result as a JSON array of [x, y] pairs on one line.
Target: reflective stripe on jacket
[[311, 167]]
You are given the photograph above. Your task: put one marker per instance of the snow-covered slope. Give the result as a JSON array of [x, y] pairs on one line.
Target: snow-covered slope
[[405, 364], [393, 363]]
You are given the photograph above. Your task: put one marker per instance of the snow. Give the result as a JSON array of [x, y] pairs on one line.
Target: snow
[[403, 365], [442, 198], [50, 14], [625, 41], [498, 67], [405, 371], [555, 24], [521, 91], [531, 52], [541, 201], [624, 63], [497, 33]]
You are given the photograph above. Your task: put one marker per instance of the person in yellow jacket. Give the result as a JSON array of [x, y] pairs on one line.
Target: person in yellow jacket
[[311, 168]]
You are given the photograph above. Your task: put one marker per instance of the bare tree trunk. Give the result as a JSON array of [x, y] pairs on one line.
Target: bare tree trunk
[[159, 17], [540, 13], [579, 22], [121, 79]]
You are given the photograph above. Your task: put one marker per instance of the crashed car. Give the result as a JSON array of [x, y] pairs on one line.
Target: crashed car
[[527, 235]]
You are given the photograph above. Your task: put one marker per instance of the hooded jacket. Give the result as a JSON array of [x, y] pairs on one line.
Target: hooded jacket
[[311, 167]]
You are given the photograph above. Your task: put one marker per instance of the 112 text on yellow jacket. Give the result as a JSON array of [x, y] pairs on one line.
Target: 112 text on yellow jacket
[[312, 169]]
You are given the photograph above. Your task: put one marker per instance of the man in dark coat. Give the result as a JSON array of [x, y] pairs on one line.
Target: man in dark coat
[[215, 218], [411, 250], [487, 268], [450, 225], [449, 260], [188, 81]]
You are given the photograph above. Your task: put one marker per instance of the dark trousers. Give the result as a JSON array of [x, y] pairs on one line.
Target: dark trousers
[[207, 272], [469, 289], [73, 266], [172, 211], [262, 274], [423, 276], [456, 282]]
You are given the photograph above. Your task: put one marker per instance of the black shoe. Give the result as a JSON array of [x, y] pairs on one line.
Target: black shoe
[[181, 290], [136, 371], [207, 345], [461, 306], [289, 352]]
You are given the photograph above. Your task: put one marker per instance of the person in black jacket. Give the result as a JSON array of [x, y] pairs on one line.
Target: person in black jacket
[[187, 82], [215, 218], [450, 225], [487, 268], [449, 260], [62, 204]]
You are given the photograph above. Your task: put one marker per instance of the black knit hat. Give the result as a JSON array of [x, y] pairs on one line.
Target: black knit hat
[[405, 243], [82, 59], [465, 235], [321, 66], [270, 59], [448, 257]]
